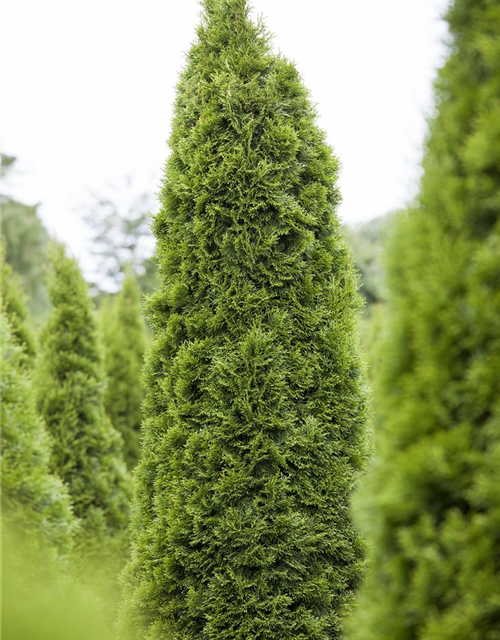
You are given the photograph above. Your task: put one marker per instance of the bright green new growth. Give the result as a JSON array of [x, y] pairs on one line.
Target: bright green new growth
[[125, 337], [432, 506], [15, 309], [34, 501], [87, 450], [255, 406]]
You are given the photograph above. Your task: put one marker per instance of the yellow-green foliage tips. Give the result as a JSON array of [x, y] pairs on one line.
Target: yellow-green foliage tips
[[432, 506], [254, 403], [125, 336], [87, 450], [34, 501]]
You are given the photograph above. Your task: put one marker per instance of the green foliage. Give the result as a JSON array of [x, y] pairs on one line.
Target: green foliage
[[367, 241], [26, 241], [15, 309], [42, 601], [34, 501], [432, 505], [125, 336], [255, 406], [87, 451]]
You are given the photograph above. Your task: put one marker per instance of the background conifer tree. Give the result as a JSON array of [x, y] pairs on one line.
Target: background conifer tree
[[125, 336], [432, 505], [34, 501], [87, 451], [255, 406], [16, 311]]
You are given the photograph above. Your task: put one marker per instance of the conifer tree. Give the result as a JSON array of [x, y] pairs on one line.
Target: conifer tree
[[34, 501], [254, 403], [16, 311], [87, 450], [432, 504], [125, 337]]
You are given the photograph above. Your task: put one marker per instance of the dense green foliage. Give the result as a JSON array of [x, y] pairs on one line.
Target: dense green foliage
[[87, 450], [15, 309], [432, 505], [255, 405], [125, 336], [34, 501], [26, 241]]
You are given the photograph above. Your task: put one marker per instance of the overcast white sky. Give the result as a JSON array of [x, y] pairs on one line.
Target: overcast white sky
[[87, 90]]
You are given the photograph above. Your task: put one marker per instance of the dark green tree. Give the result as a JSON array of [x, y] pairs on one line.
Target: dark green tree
[[125, 337], [255, 406], [432, 504], [87, 450], [35, 503]]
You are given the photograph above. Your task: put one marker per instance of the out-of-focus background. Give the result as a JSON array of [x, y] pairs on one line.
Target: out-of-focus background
[[86, 100]]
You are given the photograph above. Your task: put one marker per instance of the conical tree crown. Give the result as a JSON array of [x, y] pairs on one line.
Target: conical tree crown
[[125, 337], [432, 503], [255, 408], [87, 451], [34, 501]]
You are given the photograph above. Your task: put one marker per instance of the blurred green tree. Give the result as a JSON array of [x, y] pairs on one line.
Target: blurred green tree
[[26, 243], [255, 406], [87, 450], [432, 505], [35, 503], [367, 241], [125, 337], [15, 308]]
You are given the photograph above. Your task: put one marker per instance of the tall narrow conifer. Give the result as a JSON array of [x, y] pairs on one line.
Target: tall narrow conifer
[[432, 505], [125, 336], [255, 405], [87, 450]]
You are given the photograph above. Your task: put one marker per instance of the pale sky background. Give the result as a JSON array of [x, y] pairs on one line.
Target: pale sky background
[[87, 88]]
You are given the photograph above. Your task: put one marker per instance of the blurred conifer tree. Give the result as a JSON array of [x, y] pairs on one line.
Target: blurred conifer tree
[[35, 503], [125, 337], [87, 450], [15, 308], [432, 504]]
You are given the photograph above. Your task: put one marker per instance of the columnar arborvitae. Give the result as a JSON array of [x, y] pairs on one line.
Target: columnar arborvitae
[[255, 405], [125, 337], [87, 450], [35, 502], [432, 505]]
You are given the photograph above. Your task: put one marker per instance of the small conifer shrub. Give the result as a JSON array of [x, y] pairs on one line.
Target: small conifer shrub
[[255, 407]]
